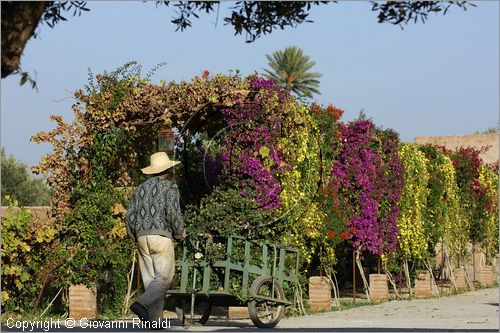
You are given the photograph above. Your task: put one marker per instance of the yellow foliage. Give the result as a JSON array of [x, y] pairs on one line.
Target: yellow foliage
[[300, 147], [455, 224], [119, 230], [118, 209], [489, 179], [412, 239]]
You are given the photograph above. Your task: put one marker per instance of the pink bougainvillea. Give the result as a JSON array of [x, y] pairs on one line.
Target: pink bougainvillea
[[251, 156], [366, 182]]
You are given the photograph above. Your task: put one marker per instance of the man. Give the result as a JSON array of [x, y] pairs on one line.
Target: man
[[153, 218]]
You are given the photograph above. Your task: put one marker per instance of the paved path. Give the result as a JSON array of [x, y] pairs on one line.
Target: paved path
[[470, 312]]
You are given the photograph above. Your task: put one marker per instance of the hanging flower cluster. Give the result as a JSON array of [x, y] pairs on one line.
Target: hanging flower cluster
[[473, 194], [367, 159], [412, 236], [306, 221], [271, 149], [444, 220], [454, 224], [251, 156], [488, 178], [319, 180]]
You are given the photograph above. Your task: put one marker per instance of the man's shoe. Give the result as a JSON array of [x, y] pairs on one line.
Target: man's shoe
[[140, 310]]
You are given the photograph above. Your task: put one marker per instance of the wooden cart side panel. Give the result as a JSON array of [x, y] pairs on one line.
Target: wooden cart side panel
[[281, 266], [184, 270], [207, 272], [228, 263], [264, 257], [271, 258], [246, 270]]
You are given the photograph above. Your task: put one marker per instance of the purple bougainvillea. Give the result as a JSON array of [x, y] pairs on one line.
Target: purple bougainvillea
[[367, 182], [389, 184], [251, 158]]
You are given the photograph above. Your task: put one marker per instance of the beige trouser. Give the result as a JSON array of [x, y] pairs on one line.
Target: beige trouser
[[157, 263]]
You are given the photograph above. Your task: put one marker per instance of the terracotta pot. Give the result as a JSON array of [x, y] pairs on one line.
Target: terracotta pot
[[459, 274], [379, 289], [486, 276], [82, 302], [320, 293], [423, 287]]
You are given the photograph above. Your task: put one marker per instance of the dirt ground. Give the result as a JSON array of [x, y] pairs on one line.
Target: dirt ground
[[474, 311]]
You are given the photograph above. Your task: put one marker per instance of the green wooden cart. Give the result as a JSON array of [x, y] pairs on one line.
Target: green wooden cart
[[259, 275]]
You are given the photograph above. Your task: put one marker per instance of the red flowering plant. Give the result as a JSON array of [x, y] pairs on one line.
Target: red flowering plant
[[327, 119]]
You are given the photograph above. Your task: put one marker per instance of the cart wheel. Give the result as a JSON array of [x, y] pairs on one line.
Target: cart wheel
[[203, 308], [266, 314]]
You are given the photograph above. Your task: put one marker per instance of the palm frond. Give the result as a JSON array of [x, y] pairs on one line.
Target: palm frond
[[290, 68]]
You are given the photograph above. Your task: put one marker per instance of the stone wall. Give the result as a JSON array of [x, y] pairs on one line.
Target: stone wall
[[474, 140]]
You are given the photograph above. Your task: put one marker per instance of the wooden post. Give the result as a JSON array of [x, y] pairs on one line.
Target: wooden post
[[448, 264], [407, 274], [363, 277], [443, 265], [473, 261], [391, 280], [353, 276], [434, 285]]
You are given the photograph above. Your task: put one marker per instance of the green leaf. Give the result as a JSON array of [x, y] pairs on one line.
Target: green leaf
[[24, 277], [24, 78], [264, 151]]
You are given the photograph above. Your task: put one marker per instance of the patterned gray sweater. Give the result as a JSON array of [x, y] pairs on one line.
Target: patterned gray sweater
[[154, 210]]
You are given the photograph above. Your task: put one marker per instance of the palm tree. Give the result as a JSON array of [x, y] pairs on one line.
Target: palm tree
[[290, 69]]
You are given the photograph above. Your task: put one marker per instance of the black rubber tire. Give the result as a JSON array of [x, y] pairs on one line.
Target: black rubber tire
[[183, 310], [253, 310]]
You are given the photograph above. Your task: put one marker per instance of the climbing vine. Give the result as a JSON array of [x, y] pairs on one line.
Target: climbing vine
[[472, 193], [412, 235], [366, 184], [117, 118], [276, 170], [488, 178]]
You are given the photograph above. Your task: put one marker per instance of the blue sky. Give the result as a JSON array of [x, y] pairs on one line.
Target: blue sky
[[437, 78]]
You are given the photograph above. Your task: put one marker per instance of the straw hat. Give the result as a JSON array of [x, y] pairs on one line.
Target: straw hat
[[159, 162]]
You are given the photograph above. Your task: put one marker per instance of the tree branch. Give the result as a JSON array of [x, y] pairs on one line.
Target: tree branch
[[19, 21]]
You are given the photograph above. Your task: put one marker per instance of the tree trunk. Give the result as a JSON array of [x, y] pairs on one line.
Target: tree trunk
[[363, 277], [391, 280], [448, 264], [433, 280], [407, 275], [19, 21]]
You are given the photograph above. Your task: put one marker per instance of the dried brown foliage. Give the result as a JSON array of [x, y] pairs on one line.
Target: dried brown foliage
[[133, 105]]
